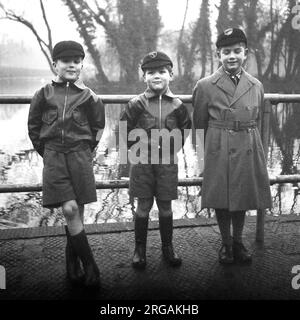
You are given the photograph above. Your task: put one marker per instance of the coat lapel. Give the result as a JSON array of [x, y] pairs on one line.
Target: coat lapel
[[223, 82], [244, 85]]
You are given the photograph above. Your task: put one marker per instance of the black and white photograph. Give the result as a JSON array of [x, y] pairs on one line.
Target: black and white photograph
[[149, 154]]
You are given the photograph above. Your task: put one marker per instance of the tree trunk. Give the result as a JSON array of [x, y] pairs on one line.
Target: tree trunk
[[88, 40]]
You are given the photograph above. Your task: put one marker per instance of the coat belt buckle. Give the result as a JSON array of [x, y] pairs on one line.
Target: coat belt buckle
[[236, 125]]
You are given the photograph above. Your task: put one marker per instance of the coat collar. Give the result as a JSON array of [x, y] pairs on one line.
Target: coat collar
[[151, 94], [222, 80], [78, 83]]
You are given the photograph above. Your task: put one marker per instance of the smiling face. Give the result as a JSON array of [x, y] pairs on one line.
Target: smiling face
[[158, 79], [68, 68], [232, 57]]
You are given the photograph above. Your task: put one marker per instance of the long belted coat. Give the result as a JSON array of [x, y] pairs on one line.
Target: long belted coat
[[235, 175]]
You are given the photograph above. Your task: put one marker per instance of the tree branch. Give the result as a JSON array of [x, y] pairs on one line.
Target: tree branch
[[45, 48], [47, 26]]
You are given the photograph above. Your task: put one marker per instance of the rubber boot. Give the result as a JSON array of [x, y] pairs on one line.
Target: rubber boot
[[81, 246], [141, 230], [166, 233], [74, 272]]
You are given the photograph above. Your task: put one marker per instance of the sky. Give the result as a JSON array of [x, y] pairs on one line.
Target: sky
[[171, 11]]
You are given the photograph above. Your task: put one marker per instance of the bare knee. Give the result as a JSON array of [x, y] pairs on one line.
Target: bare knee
[[144, 206], [70, 209], [164, 207]]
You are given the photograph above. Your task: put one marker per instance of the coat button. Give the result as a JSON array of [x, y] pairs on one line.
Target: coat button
[[231, 151], [249, 151]]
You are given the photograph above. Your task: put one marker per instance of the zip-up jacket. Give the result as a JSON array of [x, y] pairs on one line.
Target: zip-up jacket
[[64, 114], [151, 111]]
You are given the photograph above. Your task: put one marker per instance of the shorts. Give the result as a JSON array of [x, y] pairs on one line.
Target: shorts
[[68, 176], [154, 180]]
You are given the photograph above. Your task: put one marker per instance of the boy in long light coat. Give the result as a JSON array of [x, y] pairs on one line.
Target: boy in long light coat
[[227, 105]]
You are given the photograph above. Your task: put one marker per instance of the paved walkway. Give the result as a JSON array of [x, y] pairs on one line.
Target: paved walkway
[[35, 267]]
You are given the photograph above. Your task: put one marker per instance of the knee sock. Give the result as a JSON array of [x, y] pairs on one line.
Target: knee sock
[[238, 220], [224, 221]]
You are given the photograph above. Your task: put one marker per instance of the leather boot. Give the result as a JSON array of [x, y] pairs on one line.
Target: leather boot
[[81, 246], [74, 272], [240, 253], [225, 254], [166, 233], [141, 230]]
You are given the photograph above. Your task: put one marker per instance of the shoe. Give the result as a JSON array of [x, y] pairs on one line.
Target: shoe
[[240, 253], [170, 256], [74, 271], [91, 272], [139, 257], [226, 254]]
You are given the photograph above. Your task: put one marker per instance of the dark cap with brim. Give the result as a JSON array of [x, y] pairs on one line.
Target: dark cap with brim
[[230, 37], [65, 49], [156, 59]]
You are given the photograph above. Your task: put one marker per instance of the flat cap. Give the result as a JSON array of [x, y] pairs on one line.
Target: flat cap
[[231, 36], [155, 59], [67, 49]]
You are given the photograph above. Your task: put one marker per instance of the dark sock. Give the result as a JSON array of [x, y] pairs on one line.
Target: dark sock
[[224, 220], [238, 221]]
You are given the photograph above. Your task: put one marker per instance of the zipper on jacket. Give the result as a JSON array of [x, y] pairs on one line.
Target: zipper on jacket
[[63, 115], [160, 112]]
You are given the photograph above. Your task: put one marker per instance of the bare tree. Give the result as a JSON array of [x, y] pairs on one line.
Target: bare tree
[[131, 27], [81, 12], [198, 45], [223, 16], [45, 45], [179, 43], [205, 37]]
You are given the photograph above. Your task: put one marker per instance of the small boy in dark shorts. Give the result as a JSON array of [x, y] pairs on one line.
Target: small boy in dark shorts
[[64, 119], [155, 109], [227, 105]]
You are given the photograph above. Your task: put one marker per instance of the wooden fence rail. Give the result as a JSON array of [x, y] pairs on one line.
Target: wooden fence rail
[[121, 184], [274, 98]]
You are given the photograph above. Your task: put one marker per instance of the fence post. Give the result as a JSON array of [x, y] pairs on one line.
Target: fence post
[[265, 133]]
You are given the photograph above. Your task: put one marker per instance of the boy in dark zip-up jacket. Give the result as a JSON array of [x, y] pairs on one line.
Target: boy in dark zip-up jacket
[[64, 120], [155, 173]]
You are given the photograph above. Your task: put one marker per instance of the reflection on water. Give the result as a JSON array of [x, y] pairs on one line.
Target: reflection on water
[[19, 164], [22, 165]]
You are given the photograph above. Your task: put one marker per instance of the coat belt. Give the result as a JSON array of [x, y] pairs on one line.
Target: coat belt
[[232, 125]]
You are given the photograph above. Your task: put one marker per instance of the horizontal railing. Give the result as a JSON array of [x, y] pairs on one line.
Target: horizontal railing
[[120, 184], [274, 98]]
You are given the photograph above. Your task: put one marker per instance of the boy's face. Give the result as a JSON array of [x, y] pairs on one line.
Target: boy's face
[[232, 57], [68, 68], [158, 79]]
